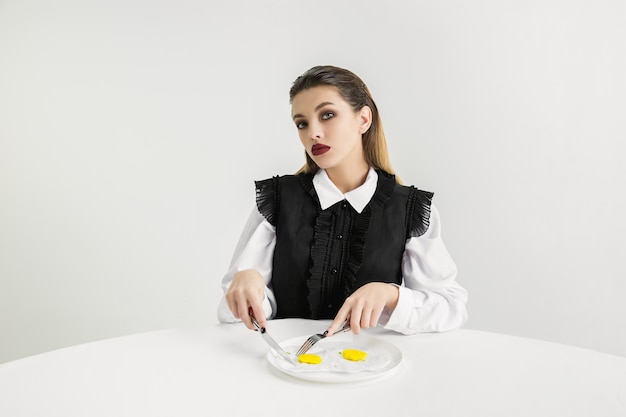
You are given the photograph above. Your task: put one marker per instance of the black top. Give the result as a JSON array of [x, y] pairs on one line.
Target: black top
[[322, 256]]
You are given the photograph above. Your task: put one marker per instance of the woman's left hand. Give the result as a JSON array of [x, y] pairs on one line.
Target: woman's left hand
[[364, 306]]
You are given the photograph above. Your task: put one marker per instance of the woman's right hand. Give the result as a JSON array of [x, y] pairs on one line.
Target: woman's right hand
[[245, 296]]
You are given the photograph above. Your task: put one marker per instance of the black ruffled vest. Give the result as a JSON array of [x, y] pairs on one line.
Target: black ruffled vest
[[322, 256]]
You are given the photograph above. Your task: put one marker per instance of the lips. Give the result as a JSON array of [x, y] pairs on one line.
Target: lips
[[319, 149]]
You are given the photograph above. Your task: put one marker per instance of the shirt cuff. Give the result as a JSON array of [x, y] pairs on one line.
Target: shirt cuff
[[408, 300]]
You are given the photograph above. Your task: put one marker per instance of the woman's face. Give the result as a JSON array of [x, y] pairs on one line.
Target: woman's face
[[329, 129]]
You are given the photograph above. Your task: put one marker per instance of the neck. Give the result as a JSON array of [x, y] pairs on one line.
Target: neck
[[348, 178]]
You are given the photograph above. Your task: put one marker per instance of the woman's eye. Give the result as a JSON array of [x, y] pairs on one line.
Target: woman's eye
[[300, 125], [328, 115]]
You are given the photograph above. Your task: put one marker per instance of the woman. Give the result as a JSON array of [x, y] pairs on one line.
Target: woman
[[342, 239]]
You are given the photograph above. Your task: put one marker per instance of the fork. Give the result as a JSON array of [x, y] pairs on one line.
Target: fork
[[308, 344]]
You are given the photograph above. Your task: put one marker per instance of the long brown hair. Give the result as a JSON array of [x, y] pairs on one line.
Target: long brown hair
[[354, 91]]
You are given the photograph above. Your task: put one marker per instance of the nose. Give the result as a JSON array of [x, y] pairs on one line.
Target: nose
[[315, 131]]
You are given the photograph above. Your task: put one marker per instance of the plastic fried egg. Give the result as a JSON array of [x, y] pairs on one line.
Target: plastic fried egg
[[354, 354], [310, 358]]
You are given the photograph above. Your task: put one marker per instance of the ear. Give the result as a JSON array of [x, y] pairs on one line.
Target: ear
[[365, 119]]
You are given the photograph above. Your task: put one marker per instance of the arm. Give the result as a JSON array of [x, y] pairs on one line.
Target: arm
[[430, 300], [247, 282]]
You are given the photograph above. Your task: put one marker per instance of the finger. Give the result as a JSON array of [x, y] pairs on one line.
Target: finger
[[256, 310], [376, 316], [366, 316], [242, 310], [339, 320], [355, 320]]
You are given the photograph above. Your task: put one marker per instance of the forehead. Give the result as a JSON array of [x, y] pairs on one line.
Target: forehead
[[308, 100]]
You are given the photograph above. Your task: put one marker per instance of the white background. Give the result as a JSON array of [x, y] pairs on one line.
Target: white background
[[131, 132]]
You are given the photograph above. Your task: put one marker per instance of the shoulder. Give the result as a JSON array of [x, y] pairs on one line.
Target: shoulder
[[412, 192], [418, 203], [269, 191], [274, 183], [409, 191]]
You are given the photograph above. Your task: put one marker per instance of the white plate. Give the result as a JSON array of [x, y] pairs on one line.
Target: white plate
[[382, 357]]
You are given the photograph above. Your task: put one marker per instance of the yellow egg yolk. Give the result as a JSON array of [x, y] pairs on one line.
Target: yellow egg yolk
[[310, 358], [354, 354]]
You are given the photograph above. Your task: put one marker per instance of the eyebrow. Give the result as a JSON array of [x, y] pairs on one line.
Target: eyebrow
[[319, 106]]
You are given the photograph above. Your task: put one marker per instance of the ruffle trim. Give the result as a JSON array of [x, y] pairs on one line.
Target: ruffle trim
[[319, 253], [268, 198], [357, 249], [318, 248], [418, 212]]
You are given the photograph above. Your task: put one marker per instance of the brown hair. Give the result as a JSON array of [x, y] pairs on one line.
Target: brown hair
[[354, 91]]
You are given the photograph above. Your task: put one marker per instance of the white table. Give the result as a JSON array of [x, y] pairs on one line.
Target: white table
[[222, 370]]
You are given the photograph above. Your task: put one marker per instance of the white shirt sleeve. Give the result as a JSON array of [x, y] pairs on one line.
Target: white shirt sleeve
[[430, 298], [255, 250]]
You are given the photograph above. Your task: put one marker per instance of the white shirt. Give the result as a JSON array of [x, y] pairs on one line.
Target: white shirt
[[430, 299]]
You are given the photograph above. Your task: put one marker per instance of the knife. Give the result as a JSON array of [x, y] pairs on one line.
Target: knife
[[273, 344]]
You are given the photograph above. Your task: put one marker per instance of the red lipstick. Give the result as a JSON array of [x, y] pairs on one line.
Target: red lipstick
[[319, 149]]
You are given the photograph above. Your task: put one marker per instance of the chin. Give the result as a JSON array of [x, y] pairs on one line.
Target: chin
[[324, 163]]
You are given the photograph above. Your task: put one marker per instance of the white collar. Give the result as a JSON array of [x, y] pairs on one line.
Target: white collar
[[329, 194]]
